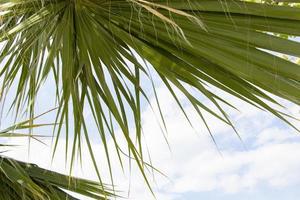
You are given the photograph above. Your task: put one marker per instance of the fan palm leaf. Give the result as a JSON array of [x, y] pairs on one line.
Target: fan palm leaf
[[98, 50]]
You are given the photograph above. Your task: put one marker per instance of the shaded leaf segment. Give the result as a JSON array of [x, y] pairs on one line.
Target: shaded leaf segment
[[20, 180], [28, 181], [89, 46]]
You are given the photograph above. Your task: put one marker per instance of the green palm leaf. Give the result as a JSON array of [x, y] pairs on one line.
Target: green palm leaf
[[27, 181], [89, 47]]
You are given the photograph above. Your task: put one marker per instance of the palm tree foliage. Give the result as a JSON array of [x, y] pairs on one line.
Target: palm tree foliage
[[87, 44], [27, 181]]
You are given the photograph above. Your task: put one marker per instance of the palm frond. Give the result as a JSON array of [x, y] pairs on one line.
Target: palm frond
[[26, 181], [20, 180], [88, 44]]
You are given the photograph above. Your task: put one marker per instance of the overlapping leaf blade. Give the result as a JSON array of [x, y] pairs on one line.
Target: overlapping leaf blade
[[20, 180]]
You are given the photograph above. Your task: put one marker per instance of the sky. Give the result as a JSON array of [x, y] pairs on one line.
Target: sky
[[263, 166]]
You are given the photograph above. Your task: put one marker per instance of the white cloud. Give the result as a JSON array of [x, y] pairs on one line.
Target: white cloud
[[274, 135]]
